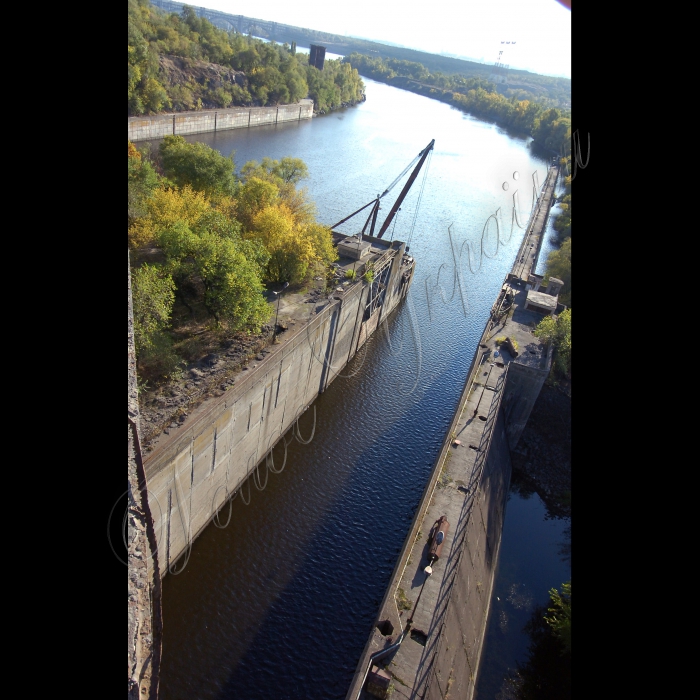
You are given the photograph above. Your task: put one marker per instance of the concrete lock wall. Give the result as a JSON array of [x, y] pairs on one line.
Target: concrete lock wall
[[523, 388], [192, 477], [160, 125], [459, 647]]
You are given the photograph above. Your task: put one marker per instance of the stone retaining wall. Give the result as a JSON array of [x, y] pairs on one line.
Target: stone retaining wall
[[182, 123]]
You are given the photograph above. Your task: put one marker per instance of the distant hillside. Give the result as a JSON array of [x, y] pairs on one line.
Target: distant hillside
[[555, 92], [179, 61]]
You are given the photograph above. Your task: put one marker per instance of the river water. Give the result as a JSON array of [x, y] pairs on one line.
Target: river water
[[278, 602], [535, 557]]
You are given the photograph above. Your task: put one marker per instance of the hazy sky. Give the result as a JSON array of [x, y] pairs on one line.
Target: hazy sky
[[470, 28]]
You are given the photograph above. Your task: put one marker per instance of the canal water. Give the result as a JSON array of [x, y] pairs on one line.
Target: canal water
[[277, 599], [535, 557]]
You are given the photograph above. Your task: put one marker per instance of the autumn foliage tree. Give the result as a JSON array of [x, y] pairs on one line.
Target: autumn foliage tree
[[557, 331], [279, 216], [217, 239]]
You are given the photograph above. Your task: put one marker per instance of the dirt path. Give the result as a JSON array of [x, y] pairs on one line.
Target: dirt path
[[167, 406]]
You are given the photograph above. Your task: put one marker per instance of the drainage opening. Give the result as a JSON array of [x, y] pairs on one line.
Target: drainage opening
[[482, 417], [483, 345], [500, 364], [419, 636], [475, 448], [385, 627]]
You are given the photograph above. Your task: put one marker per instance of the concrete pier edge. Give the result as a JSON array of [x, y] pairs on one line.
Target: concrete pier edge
[[419, 515]]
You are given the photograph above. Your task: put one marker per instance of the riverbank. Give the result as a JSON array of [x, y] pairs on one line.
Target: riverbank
[[158, 126], [515, 124]]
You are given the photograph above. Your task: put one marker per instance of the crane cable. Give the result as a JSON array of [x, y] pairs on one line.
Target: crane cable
[[408, 167], [420, 197]]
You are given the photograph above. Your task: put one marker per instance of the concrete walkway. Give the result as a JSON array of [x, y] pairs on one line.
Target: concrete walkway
[[448, 609], [526, 260]]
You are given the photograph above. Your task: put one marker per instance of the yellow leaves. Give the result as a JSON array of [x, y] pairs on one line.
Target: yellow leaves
[[303, 210], [322, 241], [134, 152], [166, 208], [292, 246], [254, 196], [225, 204], [273, 225]]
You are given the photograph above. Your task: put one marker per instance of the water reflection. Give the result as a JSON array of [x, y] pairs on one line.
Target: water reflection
[[279, 604], [533, 559]]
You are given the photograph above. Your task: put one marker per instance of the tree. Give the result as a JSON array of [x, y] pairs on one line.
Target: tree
[[234, 291], [291, 252], [197, 165], [212, 253], [153, 294], [252, 197], [164, 208], [546, 675], [558, 332], [287, 170], [143, 180], [559, 618], [155, 97], [559, 266]]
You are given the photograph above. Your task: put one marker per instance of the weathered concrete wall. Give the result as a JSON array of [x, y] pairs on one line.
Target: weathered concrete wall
[[182, 123], [458, 647], [522, 390], [191, 478], [469, 485]]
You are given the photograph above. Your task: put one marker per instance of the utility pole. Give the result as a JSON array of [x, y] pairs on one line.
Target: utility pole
[[278, 295]]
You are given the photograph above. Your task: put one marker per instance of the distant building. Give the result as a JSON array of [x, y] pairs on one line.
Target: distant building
[[317, 55]]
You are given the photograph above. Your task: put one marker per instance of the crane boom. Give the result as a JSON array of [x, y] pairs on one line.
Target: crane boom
[[423, 154], [375, 210]]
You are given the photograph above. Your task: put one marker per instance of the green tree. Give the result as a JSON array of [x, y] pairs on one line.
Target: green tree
[[558, 332], [153, 293], [198, 165], [155, 97], [234, 291], [559, 618], [287, 170], [211, 253], [559, 266], [143, 180]]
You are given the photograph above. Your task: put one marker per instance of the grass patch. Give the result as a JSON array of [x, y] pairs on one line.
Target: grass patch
[[402, 601]]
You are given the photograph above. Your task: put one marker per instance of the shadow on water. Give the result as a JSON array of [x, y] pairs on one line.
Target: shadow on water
[[292, 611], [534, 558], [279, 604]]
